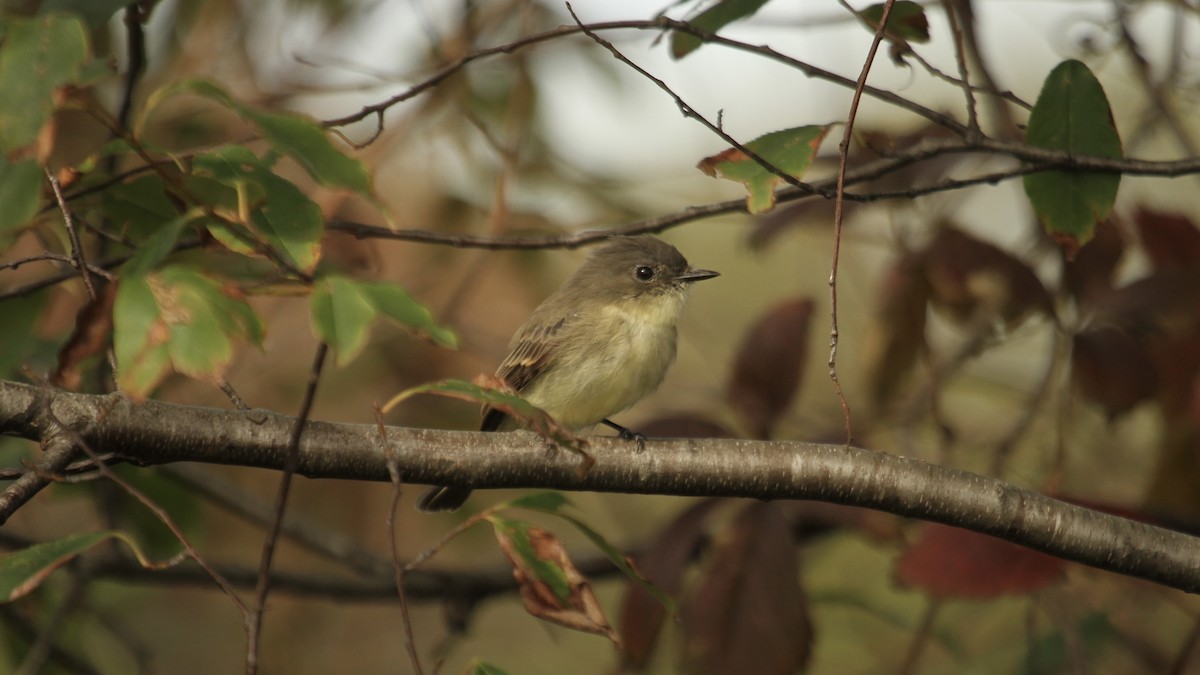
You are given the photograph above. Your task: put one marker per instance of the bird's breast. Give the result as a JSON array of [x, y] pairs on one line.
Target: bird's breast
[[629, 348]]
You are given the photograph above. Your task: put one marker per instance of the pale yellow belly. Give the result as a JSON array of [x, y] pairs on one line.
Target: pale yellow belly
[[593, 384]]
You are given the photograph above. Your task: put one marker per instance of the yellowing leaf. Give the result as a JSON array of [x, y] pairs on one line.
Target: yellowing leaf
[[552, 588], [37, 57], [789, 150]]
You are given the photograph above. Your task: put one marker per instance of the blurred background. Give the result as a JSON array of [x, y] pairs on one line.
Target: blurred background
[[561, 137]]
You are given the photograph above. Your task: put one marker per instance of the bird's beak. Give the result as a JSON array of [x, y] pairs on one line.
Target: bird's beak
[[696, 275]]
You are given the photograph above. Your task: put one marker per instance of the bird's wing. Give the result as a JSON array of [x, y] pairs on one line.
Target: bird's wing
[[532, 353]]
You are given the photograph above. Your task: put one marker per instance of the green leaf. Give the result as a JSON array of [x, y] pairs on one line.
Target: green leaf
[[273, 208], [906, 21], [204, 317], [95, 12], [20, 192], [296, 136], [517, 534], [139, 338], [139, 207], [711, 20], [199, 345], [158, 246], [1072, 114], [37, 56], [176, 317], [24, 570], [394, 303], [789, 150], [342, 313]]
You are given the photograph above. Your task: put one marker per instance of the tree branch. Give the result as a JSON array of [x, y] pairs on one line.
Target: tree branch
[[160, 433]]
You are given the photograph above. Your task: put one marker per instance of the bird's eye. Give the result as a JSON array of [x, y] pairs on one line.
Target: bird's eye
[[644, 273]]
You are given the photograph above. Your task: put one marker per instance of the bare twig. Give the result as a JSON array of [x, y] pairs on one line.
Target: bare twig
[[839, 211], [47, 256], [254, 619], [1154, 92], [960, 57], [690, 112], [79, 259]]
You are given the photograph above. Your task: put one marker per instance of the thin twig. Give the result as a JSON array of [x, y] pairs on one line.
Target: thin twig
[[79, 260], [398, 571], [1153, 91], [690, 112], [839, 211], [254, 619], [47, 256], [960, 57]]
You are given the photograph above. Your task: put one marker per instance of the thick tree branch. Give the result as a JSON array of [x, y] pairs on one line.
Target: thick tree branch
[[160, 433]]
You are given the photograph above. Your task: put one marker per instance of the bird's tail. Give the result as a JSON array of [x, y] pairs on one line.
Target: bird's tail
[[442, 499]]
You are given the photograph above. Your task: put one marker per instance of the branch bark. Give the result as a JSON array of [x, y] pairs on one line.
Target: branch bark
[[160, 433]]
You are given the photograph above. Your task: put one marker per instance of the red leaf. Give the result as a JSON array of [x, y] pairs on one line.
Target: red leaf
[[770, 364], [642, 616], [1170, 239], [749, 613], [952, 563], [1111, 368], [1090, 274], [966, 274]]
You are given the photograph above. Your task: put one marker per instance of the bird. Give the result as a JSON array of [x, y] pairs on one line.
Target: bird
[[600, 343]]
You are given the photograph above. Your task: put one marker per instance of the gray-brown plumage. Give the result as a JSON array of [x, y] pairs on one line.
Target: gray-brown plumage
[[600, 343]]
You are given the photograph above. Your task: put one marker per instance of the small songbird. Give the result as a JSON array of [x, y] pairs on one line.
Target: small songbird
[[599, 344]]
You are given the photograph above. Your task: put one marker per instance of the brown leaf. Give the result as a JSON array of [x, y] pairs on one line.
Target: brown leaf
[[770, 364], [1090, 274], [950, 562], [901, 331], [552, 588], [965, 274], [749, 613], [1165, 303], [93, 326], [1111, 368], [663, 565], [1170, 239]]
